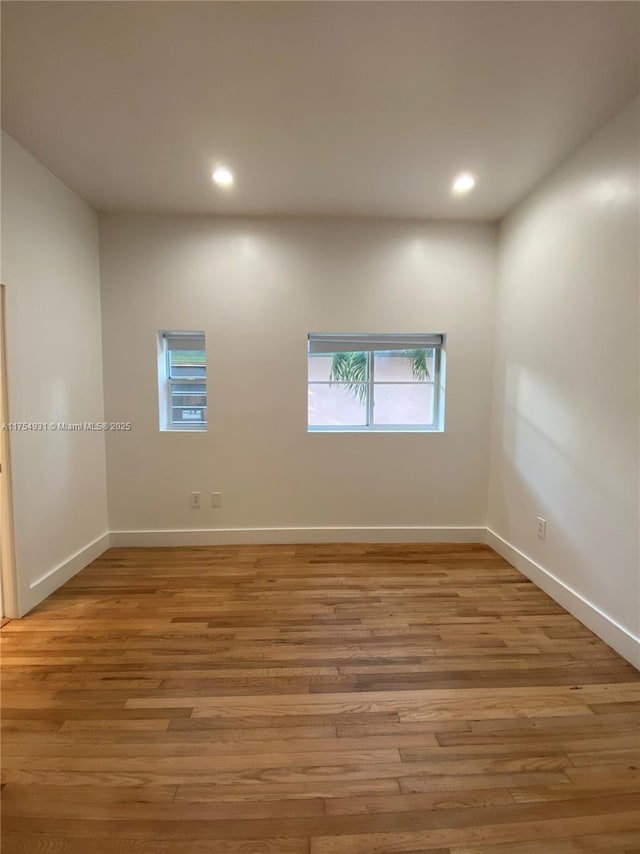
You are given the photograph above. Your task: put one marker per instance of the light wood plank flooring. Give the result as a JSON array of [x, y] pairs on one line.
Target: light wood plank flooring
[[347, 699]]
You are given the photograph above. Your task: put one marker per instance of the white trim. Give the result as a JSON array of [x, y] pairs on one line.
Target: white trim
[[9, 590], [607, 629], [239, 536], [610, 631], [60, 574]]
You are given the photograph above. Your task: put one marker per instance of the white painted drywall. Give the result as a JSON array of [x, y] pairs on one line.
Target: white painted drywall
[[50, 267], [565, 413], [258, 288]]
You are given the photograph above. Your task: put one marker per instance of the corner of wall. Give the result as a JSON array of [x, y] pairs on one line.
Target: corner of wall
[[603, 625]]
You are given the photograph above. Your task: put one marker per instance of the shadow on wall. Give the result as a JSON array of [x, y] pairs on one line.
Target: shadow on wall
[[543, 473]]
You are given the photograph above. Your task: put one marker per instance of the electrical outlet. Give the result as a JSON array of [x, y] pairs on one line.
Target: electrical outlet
[[216, 499], [542, 528], [195, 501]]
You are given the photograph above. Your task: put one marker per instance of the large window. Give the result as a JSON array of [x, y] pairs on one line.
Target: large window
[[376, 382], [182, 380]]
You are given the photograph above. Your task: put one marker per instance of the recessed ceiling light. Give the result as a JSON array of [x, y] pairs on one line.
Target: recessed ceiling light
[[222, 176], [463, 183]]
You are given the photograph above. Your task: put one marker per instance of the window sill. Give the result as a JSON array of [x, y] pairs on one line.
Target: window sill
[[375, 430], [177, 430]]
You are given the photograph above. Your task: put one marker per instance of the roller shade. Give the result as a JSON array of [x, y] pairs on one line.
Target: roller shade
[[183, 341], [342, 343]]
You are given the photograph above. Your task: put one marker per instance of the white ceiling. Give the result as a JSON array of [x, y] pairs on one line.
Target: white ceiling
[[318, 107]]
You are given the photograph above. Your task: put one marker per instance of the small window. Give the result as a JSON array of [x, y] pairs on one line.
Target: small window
[[182, 380], [376, 382]]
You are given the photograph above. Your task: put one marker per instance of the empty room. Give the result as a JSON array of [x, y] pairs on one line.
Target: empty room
[[320, 427]]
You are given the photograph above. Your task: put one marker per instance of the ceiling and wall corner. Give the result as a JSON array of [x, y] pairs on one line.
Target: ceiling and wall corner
[[364, 109]]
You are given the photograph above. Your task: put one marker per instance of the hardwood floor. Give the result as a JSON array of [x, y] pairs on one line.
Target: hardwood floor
[[347, 699]]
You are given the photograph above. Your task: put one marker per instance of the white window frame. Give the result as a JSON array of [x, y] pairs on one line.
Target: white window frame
[[166, 382], [371, 344]]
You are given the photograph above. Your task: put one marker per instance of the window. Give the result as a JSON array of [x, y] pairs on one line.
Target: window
[[182, 380], [376, 382]]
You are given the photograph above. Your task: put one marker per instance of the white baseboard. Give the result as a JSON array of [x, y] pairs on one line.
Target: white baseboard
[[610, 631], [240, 536], [56, 577]]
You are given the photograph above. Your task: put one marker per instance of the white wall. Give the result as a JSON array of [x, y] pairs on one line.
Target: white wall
[[257, 288], [565, 415], [50, 267]]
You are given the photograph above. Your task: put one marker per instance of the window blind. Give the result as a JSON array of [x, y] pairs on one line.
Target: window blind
[[182, 341], [343, 343]]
